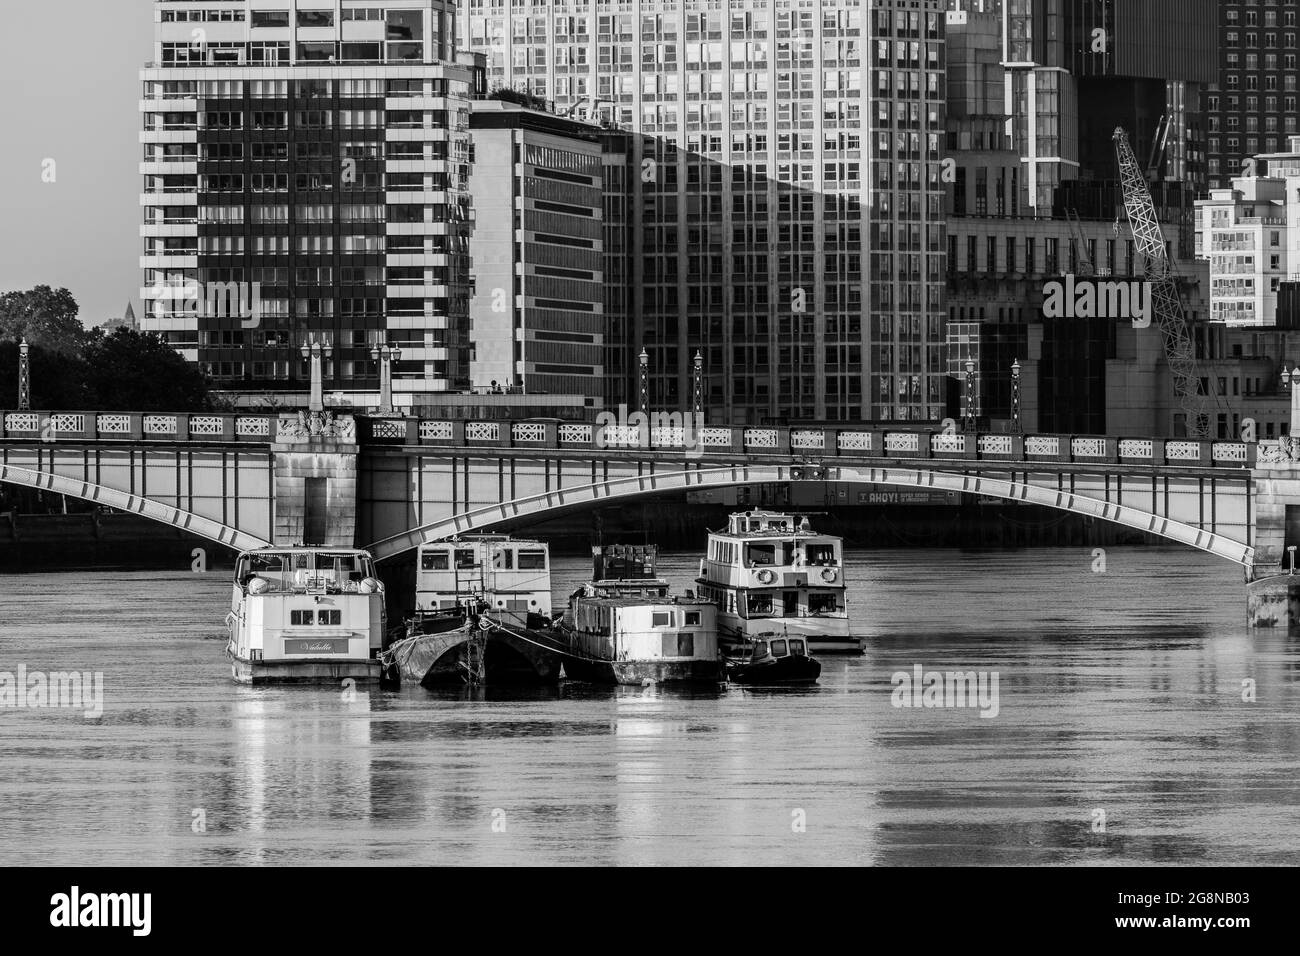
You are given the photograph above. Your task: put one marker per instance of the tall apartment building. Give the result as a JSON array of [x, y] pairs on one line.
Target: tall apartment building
[[1250, 235], [1252, 107], [785, 193], [306, 166], [537, 314]]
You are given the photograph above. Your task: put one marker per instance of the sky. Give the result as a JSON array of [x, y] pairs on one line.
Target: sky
[[70, 93]]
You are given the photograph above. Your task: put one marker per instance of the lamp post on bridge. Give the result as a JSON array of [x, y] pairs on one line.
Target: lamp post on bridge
[[24, 377], [1291, 381], [385, 355], [645, 381], [699, 386], [315, 352], [1015, 396], [969, 424]]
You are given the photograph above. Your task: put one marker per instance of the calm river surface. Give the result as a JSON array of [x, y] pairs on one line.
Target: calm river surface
[[1119, 692]]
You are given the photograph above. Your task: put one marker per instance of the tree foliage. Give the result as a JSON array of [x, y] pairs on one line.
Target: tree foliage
[[75, 368]]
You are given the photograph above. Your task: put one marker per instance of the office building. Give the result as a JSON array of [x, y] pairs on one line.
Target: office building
[[785, 197], [306, 171]]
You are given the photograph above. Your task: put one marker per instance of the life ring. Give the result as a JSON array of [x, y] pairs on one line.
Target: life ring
[[765, 575], [828, 575]]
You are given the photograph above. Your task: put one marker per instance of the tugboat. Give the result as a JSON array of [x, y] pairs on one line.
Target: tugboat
[[483, 604], [768, 573], [776, 659], [305, 615], [624, 628]]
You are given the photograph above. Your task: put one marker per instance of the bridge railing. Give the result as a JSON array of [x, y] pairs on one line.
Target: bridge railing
[[137, 426], [816, 443], [663, 434]]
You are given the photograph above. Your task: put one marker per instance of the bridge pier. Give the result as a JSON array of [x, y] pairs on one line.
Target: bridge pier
[[315, 481], [1272, 583]]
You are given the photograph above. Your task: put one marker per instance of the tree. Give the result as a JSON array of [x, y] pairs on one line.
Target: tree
[[137, 371], [45, 317], [58, 380]]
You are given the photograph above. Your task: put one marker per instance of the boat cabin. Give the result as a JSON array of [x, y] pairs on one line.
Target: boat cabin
[[508, 574]]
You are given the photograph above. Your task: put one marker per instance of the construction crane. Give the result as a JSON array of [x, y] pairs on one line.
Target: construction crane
[[1085, 265], [1166, 306]]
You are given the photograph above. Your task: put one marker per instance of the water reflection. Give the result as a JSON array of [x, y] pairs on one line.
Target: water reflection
[[1136, 697]]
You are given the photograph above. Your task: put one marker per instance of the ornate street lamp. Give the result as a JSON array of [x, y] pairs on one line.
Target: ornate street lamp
[[645, 382], [699, 386], [1015, 396], [24, 377], [970, 396], [316, 352], [385, 355]]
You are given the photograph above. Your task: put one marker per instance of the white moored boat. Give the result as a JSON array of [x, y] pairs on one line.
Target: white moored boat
[[308, 615], [772, 576], [503, 575]]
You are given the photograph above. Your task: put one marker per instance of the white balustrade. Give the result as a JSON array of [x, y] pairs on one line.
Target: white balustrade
[[1088, 447], [760, 437], [948, 444], [113, 424], [66, 422], [23, 422], [1183, 450], [1228, 451], [808, 439], [621, 436], [436, 431], [995, 445], [1042, 445], [572, 433], [715, 437], [483, 431], [528, 432], [387, 428], [1136, 448], [854, 441], [159, 424], [669, 437], [902, 441], [253, 427], [206, 425]]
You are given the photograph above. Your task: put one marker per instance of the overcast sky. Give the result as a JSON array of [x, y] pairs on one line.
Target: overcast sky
[[70, 93]]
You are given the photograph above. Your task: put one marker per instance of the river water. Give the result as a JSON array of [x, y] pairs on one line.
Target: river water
[[1121, 736]]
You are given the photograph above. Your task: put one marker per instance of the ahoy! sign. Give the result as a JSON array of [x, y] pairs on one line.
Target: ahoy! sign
[[1073, 298]]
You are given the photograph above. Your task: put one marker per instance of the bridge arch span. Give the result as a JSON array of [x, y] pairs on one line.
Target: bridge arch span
[[686, 479], [134, 504]]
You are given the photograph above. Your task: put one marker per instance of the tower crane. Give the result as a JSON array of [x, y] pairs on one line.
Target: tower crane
[[1166, 306]]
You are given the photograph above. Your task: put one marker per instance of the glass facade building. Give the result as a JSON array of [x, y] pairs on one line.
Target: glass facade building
[[306, 171], [784, 203]]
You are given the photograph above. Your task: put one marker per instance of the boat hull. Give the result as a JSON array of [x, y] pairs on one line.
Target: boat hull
[[825, 635], [304, 672], [641, 673], [510, 655], [786, 670]]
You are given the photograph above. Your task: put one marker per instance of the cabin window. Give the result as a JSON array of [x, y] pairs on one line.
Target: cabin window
[[778, 648], [532, 560], [760, 554], [464, 558], [760, 649], [821, 603], [760, 604], [503, 559], [661, 619], [692, 618], [820, 554], [331, 618], [302, 618], [797, 648], [435, 561], [679, 645]]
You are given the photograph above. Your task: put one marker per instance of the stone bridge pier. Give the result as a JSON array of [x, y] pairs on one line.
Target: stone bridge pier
[[1273, 575]]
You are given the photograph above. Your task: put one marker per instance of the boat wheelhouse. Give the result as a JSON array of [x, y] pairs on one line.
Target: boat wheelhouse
[[503, 575], [305, 615], [769, 573], [624, 627], [774, 659]]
